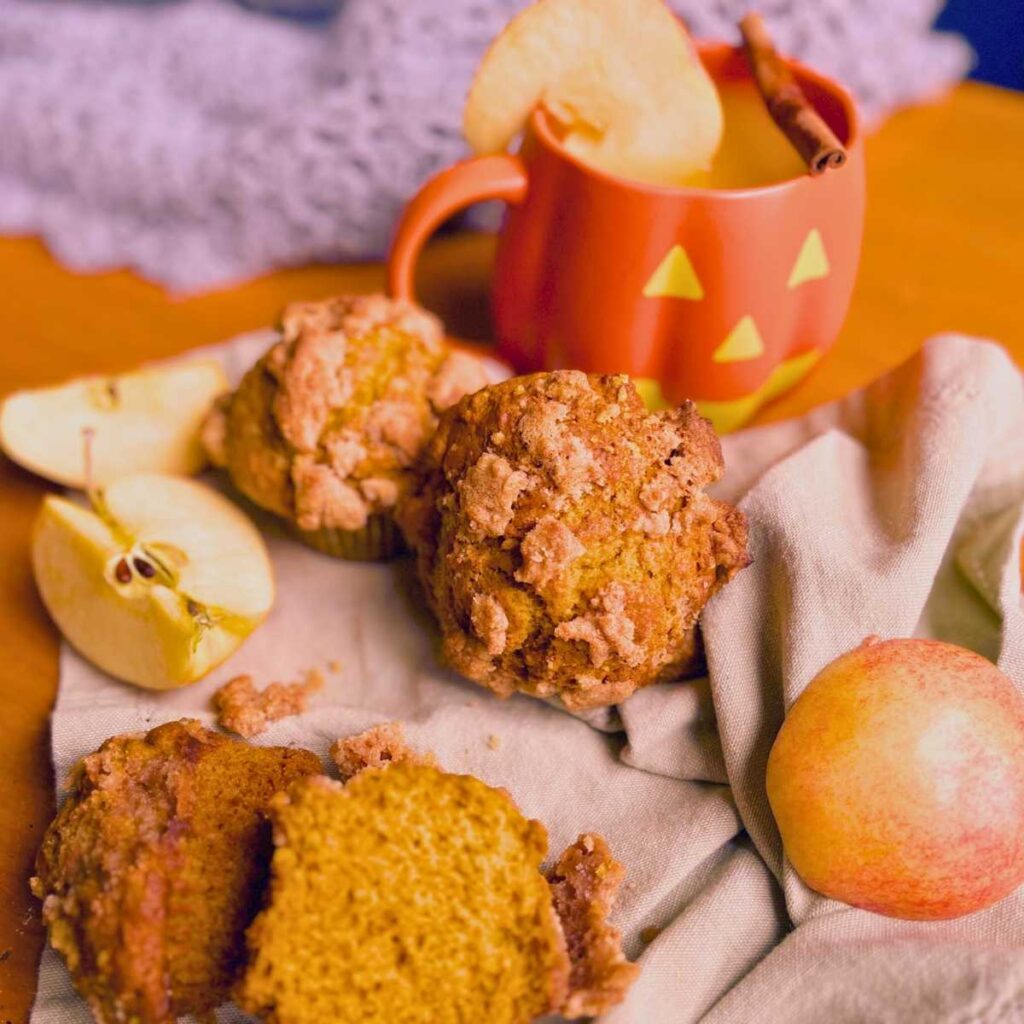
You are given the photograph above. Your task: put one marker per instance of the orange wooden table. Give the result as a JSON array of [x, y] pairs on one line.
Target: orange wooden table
[[943, 250]]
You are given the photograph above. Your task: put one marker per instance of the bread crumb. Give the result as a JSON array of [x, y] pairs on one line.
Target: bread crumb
[[376, 747], [583, 886], [334, 665], [493, 742], [490, 623], [650, 933], [246, 711]]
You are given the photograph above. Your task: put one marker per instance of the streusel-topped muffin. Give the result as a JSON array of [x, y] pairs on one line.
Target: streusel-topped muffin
[[323, 429], [564, 539]]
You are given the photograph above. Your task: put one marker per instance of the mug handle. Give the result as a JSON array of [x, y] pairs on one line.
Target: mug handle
[[501, 176]]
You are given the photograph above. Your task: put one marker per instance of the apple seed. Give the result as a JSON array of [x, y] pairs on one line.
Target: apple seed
[[143, 568]]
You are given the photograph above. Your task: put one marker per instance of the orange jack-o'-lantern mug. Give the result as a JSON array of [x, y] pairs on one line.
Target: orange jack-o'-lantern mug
[[724, 295]]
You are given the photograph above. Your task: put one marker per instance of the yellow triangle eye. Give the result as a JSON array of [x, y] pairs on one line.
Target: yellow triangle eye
[[812, 263], [674, 277], [743, 342]]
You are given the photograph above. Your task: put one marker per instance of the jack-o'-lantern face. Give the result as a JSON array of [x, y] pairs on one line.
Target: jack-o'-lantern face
[[772, 322], [723, 296]]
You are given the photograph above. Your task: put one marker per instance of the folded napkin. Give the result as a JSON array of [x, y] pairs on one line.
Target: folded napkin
[[896, 511]]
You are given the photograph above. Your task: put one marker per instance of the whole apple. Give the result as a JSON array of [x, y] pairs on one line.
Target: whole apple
[[897, 780]]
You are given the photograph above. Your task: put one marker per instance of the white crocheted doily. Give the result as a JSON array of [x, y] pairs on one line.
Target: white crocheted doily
[[199, 142]]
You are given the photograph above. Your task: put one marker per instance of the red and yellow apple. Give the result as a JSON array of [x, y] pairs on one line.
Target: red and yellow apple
[[897, 780]]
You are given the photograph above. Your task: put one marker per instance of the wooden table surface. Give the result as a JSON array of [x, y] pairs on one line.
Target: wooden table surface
[[943, 250]]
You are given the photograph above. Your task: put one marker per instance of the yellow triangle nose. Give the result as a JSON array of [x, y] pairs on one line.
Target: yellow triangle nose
[[674, 277], [811, 263], [743, 342]]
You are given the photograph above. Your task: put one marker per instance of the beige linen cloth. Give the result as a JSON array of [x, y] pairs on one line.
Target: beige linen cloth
[[896, 511]]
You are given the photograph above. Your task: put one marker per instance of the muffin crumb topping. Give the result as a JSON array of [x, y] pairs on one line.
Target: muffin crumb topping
[[376, 747], [248, 712], [489, 492], [563, 537], [490, 623], [583, 884], [547, 550]]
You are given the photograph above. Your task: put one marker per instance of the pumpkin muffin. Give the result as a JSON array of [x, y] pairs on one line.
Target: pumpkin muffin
[[405, 895], [410, 896], [154, 867], [323, 429], [564, 539]]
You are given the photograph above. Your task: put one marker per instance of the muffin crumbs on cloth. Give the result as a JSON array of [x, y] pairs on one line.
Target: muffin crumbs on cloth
[[246, 711], [376, 747]]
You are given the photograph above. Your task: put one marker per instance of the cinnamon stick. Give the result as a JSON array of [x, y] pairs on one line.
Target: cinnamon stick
[[790, 109]]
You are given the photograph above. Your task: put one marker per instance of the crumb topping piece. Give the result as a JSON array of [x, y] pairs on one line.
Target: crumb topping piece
[[490, 623], [606, 629], [247, 711], [460, 374], [548, 550], [377, 747], [489, 492], [583, 885], [312, 382]]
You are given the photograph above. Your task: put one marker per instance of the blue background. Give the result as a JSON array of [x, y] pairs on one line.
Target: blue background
[[995, 29]]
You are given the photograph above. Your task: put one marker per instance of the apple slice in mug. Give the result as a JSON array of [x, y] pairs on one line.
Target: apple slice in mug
[[156, 583], [145, 421], [622, 78]]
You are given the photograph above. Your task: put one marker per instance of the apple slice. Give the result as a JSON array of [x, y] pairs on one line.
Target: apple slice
[[157, 583], [145, 421], [621, 76]]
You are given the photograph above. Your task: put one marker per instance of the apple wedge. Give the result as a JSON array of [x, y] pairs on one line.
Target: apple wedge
[[157, 582], [622, 78], [145, 421]]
